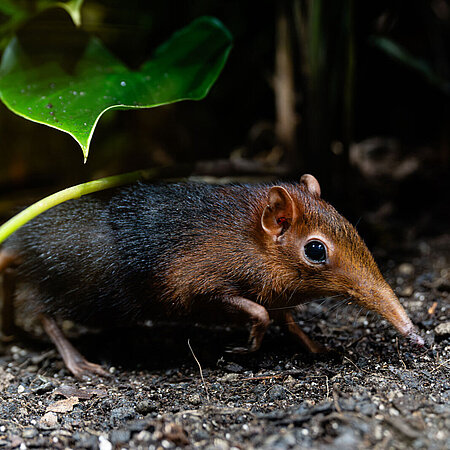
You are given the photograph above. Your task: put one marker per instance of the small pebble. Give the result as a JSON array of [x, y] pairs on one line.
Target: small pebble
[[120, 436], [443, 329], [219, 444], [195, 399], [122, 413], [290, 380], [29, 433], [143, 436], [277, 392], [137, 425], [104, 444], [43, 388], [405, 291], [406, 269], [229, 377], [16, 441], [347, 439], [48, 421], [147, 406], [233, 367]]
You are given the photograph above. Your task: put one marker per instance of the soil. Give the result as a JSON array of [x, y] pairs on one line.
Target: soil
[[173, 385]]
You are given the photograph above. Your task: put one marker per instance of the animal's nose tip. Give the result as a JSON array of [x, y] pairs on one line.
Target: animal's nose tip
[[416, 339]]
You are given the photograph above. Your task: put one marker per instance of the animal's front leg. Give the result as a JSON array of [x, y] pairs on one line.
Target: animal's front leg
[[245, 311], [285, 319], [73, 359]]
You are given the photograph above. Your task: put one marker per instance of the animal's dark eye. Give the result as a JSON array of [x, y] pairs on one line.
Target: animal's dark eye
[[316, 252]]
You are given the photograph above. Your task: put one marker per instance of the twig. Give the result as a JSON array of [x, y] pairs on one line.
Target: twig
[[266, 377], [336, 402], [440, 365], [359, 368], [398, 352], [370, 373], [201, 371], [432, 308], [277, 375]]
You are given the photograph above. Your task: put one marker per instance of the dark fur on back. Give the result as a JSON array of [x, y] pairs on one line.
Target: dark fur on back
[[149, 250], [105, 257], [207, 251]]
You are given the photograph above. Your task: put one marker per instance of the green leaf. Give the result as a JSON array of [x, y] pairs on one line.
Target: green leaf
[[71, 95]]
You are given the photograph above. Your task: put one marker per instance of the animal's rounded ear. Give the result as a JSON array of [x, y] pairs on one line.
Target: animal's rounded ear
[[311, 184], [279, 213]]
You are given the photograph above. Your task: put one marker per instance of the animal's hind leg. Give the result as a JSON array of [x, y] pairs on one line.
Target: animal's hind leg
[[8, 261], [72, 358]]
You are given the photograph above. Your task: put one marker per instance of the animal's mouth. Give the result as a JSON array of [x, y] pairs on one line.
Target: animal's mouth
[[415, 339], [411, 334]]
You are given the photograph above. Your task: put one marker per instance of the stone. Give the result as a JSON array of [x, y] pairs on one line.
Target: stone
[[48, 421], [276, 392], [147, 406], [406, 269], [443, 329], [120, 436]]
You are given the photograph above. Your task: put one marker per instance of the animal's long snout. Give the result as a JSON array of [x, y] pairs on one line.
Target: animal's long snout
[[383, 301]]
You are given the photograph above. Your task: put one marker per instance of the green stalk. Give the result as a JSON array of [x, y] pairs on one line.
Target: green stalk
[[70, 193]]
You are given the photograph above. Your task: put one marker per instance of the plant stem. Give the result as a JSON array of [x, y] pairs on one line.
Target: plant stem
[[70, 193]]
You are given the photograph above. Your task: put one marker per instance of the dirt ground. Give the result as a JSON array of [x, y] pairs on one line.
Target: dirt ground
[[173, 385]]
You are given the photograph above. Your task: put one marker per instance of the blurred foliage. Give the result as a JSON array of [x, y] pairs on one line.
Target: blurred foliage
[[14, 13], [421, 66]]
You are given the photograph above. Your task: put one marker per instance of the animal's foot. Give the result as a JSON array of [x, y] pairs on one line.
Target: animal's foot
[[316, 348], [73, 359], [82, 368]]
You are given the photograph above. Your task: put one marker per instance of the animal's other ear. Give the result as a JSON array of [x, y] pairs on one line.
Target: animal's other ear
[[311, 184], [279, 213]]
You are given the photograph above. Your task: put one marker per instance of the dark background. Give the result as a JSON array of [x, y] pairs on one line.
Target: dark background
[[374, 130]]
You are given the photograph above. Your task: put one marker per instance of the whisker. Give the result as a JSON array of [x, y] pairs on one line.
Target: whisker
[[294, 292], [283, 307], [344, 311], [321, 299], [322, 302], [355, 322], [337, 305]]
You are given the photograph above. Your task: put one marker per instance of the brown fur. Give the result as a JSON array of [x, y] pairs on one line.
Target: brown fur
[[283, 277], [211, 252]]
